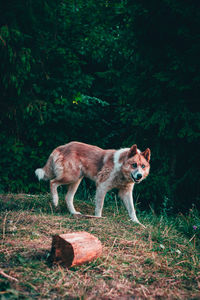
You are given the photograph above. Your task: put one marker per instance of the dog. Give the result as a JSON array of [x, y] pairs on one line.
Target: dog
[[120, 169]]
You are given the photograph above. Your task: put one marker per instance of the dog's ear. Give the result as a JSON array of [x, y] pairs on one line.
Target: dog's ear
[[132, 151], [147, 154]]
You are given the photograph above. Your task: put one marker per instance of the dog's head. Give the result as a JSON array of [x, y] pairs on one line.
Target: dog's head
[[136, 164]]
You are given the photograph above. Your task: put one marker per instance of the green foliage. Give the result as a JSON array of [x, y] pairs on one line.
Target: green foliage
[[107, 73]]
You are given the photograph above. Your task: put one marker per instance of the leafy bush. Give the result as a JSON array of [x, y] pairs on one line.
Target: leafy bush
[[110, 74]]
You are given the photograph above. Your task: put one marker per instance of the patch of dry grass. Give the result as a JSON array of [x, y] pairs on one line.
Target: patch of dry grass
[[153, 263]]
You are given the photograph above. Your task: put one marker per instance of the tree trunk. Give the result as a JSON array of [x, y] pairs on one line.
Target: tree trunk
[[75, 248]]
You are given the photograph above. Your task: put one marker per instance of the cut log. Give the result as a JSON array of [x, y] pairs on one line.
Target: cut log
[[72, 249]]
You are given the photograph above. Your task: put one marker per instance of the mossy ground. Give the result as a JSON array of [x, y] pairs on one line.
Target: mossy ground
[[156, 262]]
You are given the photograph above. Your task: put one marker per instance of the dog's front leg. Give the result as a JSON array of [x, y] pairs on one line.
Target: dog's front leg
[[127, 198], [99, 199]]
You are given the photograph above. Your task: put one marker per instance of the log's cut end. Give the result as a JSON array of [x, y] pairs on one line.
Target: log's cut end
[[77, 248]]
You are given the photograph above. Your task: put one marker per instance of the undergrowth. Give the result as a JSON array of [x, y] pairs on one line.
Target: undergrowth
[[159, 262]]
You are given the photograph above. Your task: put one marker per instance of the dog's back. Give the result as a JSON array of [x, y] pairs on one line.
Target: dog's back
[[78, 159]]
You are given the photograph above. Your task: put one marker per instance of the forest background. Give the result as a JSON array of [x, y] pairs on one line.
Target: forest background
[[109, 73]]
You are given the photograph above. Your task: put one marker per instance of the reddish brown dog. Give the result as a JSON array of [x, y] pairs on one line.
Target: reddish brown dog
[[120, 169]]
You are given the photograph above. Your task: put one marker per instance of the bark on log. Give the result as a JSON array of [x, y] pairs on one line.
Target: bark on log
[[75, 248]]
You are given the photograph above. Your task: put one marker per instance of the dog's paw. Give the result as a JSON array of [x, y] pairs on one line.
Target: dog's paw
[[136, 222], [142, 225]]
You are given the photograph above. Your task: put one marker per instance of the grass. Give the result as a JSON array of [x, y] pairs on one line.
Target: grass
[[159, 262]]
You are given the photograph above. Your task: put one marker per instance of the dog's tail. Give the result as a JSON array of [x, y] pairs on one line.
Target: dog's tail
[[46, 173], [40, 173]]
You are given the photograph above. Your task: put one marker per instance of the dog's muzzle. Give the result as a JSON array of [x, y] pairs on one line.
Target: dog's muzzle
[[136, 177]]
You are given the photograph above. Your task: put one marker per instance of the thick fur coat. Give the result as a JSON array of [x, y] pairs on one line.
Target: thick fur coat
[[119, 169]]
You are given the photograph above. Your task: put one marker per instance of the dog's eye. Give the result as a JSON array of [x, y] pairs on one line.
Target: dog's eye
[[143, 166], [134, 165]]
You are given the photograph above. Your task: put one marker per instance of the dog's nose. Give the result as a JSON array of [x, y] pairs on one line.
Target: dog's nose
[[139, 176]]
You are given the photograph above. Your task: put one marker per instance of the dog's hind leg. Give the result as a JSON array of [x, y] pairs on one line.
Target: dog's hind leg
[[99, 200], [53, 187], [72, 188]]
